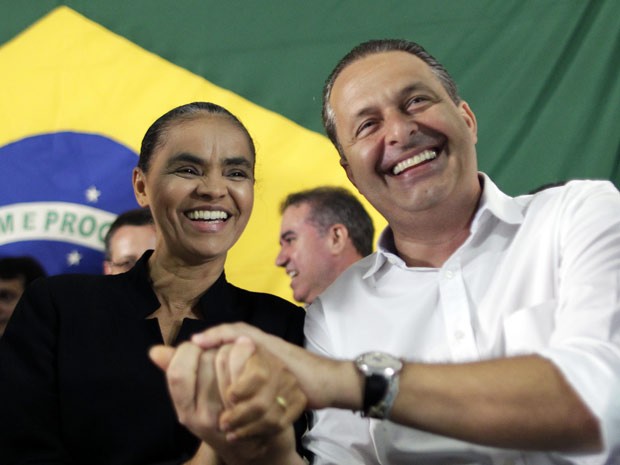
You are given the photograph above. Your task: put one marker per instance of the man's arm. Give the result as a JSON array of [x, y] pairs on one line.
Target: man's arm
[[519, 402]]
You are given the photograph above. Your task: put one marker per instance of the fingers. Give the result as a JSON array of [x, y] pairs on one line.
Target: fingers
[[161, 356], [266, 398], [241, 351], [182, 375], [226, 333]]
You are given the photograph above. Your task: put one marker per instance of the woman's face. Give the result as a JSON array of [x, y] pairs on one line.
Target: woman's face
[[199, 186]]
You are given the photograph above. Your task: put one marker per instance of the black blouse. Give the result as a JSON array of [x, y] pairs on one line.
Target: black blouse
[[76, 383]]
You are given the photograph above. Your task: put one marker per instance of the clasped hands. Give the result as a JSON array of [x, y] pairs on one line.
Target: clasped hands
[[237, 397]]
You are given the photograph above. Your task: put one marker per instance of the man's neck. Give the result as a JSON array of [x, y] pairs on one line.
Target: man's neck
[[429, 238]]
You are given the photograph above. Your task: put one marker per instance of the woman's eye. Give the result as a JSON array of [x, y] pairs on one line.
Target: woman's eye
[[187, 170], [238, 174]]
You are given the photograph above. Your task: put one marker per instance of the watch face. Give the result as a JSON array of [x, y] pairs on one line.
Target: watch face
[[379, 363]]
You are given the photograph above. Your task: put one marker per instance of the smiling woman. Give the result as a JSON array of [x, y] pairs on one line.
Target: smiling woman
[[89, 335]]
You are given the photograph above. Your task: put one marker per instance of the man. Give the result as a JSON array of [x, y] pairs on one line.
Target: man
[[15, 274], [130, 235], [324, 230], [497, 318]]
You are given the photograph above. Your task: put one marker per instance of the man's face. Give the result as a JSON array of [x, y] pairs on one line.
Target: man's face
[[407, 146], [10, 292], [127, 245], [305, 254]]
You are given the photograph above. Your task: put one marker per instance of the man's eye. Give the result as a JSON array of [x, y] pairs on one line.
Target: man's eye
[[365, 127], [417, 101]]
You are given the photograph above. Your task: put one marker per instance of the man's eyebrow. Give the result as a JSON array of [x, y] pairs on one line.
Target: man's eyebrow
[[416, 87], [411, 88], [286, 234]]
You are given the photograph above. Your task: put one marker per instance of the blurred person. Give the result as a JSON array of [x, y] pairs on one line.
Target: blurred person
[[130, 235], [323, 231], [73, 360], [15, 274]]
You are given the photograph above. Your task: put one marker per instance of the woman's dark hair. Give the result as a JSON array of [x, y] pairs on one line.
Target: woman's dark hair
[[155, 135]]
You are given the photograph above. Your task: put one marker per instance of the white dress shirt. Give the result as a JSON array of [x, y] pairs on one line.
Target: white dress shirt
[[538, 274]]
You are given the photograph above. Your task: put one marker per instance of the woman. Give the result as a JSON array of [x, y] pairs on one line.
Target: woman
[[75, 380]]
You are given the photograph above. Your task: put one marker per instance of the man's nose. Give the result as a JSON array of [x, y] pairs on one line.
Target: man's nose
[[282, 258], [399, 128]]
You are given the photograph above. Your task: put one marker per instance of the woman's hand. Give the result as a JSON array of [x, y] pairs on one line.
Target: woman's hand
[[238, 398]]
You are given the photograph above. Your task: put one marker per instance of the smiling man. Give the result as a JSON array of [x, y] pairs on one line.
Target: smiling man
[[324, 231], [508, 306], [485, 328]]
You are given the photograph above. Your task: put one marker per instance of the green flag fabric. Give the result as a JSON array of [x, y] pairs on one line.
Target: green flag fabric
[[82, 80]]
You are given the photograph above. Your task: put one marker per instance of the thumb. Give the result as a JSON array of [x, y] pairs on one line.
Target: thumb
[[161, 356]]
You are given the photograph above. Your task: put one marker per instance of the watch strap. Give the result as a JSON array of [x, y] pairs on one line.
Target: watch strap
[[375, 388], [383, 408]]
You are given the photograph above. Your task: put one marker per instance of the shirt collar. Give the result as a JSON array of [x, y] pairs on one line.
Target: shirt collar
[[493, 202], [217, 305]]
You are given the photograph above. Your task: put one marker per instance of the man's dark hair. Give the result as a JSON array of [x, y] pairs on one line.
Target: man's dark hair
[[135, 217], [380, 46], [26, 268], [336, 205]]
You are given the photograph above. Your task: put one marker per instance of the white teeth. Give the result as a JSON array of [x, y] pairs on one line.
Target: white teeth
[[207, 215], [292, 273], [415, 160]]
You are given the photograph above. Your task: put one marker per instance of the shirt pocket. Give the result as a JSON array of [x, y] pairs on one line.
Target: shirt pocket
[[529, 329]]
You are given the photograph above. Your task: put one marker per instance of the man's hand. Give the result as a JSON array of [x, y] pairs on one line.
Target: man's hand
[[238, 398], [325, 382]]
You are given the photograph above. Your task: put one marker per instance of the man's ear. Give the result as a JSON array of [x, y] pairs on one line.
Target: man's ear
[[347, 169], [139, 187], [338, 235], [107, 267], [470, 119]]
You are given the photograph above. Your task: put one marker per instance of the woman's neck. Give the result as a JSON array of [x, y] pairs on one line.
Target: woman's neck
[[178, 284]]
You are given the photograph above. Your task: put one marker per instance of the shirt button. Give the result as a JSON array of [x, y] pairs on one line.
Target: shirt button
[[449, 274], [459, 335]]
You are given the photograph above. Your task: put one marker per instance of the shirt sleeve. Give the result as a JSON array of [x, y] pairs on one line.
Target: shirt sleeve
[[585, 344]]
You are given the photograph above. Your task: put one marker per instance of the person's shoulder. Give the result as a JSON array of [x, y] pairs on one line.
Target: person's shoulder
[[265, 299], [77, 284]]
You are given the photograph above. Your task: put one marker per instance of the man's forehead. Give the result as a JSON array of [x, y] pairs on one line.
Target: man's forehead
[[370, 71], [12, 284]]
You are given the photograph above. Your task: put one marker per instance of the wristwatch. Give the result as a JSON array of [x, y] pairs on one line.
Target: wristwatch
[[381, 372]]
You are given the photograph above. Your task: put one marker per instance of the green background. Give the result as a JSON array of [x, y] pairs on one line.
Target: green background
[[542, 76]]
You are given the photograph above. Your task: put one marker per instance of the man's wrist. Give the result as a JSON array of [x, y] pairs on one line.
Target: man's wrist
[[346, 386]]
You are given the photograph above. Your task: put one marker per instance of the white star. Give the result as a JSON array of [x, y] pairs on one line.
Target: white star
[[92, 194], [73, 258]]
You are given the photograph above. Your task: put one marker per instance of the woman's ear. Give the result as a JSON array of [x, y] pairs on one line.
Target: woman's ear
[[139, 187]]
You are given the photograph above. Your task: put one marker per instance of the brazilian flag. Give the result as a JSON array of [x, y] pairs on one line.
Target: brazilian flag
[[82, 80]]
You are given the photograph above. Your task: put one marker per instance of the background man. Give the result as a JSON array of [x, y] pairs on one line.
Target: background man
[[324, 230], [15, 274], [130, 235]]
